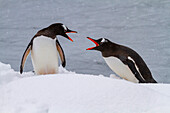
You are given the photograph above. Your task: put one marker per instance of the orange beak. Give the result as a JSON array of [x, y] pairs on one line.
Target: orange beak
[[93, 42], [69, 31]]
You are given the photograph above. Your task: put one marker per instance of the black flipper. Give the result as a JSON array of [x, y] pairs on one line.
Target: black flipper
[[132, 67], [61, 53], [24, 57]]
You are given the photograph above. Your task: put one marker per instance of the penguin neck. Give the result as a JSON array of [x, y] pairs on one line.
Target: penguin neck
[[111, 49], [46, 32]]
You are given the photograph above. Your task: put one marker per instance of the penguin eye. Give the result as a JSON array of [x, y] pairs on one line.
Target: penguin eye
[[101, 43], [103, 40], [65, 28]]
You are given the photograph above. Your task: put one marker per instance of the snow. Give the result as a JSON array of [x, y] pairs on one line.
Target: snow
[[69, 92]]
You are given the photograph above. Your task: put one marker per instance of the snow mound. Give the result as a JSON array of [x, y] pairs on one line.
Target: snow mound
[[68, 92], [6, 73]]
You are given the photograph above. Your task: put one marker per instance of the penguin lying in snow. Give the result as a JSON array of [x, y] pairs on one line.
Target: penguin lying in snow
[[44, 46], [124, 61]]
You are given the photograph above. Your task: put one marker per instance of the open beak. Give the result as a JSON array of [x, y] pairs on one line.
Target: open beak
[[69, 31], [94, 41]]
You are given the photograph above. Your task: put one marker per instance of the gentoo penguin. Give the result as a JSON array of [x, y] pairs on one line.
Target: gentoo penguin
[[124, 61], [44, 47]]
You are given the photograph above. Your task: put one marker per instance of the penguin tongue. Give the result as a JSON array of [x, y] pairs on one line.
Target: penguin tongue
[[93, 42]]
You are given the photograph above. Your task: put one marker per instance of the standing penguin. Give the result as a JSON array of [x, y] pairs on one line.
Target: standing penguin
[[124, 61], [44, 46]]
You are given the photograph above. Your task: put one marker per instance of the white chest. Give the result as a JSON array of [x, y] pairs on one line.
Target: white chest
[[44, 55], [120, 68]]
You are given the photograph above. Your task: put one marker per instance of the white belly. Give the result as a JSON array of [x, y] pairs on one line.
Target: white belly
[[120, 69], [44, 55]]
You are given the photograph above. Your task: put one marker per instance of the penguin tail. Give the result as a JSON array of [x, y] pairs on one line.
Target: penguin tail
[[152, 81]]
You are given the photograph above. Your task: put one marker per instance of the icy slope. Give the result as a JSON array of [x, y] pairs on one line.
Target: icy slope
[[69, 92]]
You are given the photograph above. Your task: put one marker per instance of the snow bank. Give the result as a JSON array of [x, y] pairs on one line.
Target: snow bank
[[6, 73], [68, 92]]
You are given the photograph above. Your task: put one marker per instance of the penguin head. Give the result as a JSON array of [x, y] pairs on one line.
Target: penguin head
[[101, 44], [61, 29]]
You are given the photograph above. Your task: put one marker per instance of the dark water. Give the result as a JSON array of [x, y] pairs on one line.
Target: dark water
[[142, 25]]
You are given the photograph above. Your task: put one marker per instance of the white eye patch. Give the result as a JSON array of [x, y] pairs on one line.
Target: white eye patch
[[65, 28], [103, 40]]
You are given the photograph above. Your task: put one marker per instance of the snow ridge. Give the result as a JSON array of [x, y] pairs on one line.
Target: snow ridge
[[69, 92]]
